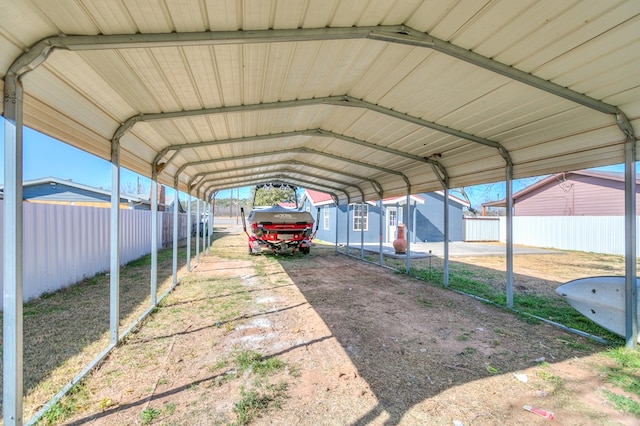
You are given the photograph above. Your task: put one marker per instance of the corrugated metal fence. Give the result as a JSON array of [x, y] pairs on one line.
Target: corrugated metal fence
[[597, 234], [481, 229], [65, 244]]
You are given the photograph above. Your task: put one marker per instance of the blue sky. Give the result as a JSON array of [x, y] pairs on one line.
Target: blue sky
[[47, 157], [44, 156]]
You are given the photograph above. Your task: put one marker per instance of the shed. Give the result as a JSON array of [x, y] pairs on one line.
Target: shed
[[577, 193], [52, 190]]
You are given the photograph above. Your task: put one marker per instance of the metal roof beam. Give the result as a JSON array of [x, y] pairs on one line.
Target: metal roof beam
[[374, 183], [132, 121], [281, 171], [343, 100], [312, 132], [296, 151], [400, 34], [333, 194], [308, 132], [412, 37], [349, 101], [283, 179]]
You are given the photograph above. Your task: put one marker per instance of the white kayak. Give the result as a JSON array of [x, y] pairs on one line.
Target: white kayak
[[601, 299]]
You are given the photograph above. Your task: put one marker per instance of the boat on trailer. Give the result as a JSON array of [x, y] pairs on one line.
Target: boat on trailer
[[279, 230]]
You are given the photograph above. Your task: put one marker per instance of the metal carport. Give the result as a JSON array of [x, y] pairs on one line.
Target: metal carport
[[361, 99]]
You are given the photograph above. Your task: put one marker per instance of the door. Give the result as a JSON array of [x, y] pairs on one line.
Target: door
[[392, 224]]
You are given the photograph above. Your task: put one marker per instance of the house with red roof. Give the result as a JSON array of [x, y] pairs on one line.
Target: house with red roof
[[371, 222]]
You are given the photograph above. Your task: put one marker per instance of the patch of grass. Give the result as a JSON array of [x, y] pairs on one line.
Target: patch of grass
[[469, 351], [462, 337], [218, 365], [251, 360], [426, 303], [549, 308], [40, 309], [148, 415], [625, 374], [254, 404], [547, 376], [622, 403], [574, 344], [67, 406], [169, 407]]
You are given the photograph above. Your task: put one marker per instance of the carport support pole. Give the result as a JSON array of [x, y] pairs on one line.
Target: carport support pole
[[210, 225], [205, 224], [189, 232], [154, 240], [413, 220], [362, 218], [337, 224], [348, 230], [114, 277], [198, 230], [407, 215], [12, 326], [175, 233], [509, 231], [380, 234], [446, 237], [631, 285], [211, 201]]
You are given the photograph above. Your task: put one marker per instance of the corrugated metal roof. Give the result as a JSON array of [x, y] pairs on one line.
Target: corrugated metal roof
[[361, 99]]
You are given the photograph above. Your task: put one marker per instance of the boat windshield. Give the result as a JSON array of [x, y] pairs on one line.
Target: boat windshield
[[272, 194]]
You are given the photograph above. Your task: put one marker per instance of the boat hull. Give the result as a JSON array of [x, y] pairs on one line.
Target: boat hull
[[601, 299]]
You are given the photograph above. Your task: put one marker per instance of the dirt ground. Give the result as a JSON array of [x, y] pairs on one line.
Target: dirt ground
[[356, 344]]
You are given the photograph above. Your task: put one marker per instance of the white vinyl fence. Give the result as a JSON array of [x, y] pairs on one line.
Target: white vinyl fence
[[65, 244], [597, 234]]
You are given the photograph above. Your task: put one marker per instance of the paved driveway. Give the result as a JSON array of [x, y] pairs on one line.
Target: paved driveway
[[456, 249]]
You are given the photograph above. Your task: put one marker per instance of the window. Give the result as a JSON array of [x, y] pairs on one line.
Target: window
[[325, 218], [392, 218], [360, 217]]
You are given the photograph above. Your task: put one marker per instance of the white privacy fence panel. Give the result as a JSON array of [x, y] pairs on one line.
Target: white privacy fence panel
[[65, 244], [62, 245], [597, 234], [481, 229]]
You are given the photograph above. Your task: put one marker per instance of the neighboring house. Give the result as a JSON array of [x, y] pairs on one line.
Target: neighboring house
[[66, 192], [426, 218], [578, 193]]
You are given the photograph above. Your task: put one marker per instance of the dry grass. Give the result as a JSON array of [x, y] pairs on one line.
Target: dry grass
[[66, 330], [184, 363]]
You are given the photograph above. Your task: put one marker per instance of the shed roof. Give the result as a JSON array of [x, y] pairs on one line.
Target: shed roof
[[317, 198], [363, 100], [54, 181]]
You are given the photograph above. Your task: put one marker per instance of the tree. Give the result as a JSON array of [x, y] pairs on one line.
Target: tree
[[269, 195]]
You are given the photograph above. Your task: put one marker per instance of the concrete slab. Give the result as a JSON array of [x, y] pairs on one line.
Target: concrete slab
[[456, 249]]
